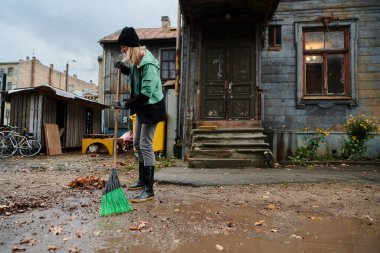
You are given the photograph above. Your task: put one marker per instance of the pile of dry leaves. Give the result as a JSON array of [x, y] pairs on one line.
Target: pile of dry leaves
[[87, 182]]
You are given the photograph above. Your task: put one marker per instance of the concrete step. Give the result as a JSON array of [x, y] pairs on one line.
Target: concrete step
[[229, 130], [251, 138], [228, 146], [231, 154], [226, 163]]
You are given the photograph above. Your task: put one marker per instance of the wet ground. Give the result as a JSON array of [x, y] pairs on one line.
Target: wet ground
[[39, 213]]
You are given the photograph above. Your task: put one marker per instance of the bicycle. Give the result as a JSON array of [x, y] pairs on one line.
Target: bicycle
[[11, 142], [8, 145]]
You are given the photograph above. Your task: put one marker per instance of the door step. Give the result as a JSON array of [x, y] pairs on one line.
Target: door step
[[229, 148]]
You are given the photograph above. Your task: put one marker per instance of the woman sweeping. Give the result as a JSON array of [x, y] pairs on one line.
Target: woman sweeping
[[147, 101]]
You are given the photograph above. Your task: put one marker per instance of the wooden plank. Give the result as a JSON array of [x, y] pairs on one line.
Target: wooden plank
[[53, 143]]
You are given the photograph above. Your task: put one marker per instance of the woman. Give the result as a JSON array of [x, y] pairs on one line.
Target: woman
[[147, 101]]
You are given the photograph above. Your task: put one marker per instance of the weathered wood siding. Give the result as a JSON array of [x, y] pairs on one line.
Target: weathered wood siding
[[189, 84], [26, 112], [75, 125], [279, 71], [279, 68]]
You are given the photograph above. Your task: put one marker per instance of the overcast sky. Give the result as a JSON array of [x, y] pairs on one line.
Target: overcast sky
[[56, 32]]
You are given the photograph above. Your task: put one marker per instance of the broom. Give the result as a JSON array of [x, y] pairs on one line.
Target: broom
[[114, 200]]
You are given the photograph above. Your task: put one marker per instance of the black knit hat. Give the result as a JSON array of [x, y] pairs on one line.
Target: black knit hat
[[128, 37]]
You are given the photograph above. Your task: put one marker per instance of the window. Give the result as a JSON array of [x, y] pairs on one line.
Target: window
[[10, 72], [167, 64], [274, 37], [9, 85], [326, 63]]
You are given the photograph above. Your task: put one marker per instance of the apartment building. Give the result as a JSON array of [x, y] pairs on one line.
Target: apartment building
[[32, 73]]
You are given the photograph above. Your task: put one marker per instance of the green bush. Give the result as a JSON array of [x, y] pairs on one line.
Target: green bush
[[312, 142], [358, 130]]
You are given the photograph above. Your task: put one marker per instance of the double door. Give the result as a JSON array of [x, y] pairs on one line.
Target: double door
[[228, 80]]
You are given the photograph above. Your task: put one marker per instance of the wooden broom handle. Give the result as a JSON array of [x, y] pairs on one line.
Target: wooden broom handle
[[116, 117]]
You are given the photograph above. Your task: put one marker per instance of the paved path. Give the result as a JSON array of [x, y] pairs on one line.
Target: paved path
[[209, 177]]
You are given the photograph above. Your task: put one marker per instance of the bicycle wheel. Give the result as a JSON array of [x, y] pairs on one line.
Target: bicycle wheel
[[8, 146], [30, 148]]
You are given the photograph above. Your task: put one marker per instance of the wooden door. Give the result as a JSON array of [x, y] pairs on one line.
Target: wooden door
[[228, 79]]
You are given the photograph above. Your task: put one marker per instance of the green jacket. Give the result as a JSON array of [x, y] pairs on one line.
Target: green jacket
[[146, 79]]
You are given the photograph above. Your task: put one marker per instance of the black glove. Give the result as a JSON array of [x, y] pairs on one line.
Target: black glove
[[138, 101], [124, 68]]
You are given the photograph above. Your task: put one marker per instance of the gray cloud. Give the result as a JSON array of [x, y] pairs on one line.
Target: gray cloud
[[58, 31]]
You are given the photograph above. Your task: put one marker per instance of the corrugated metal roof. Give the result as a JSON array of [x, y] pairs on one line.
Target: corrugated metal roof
[[145, 34], [44, 88]]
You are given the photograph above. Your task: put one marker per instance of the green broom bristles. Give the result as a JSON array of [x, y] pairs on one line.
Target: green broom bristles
[[114, 200]]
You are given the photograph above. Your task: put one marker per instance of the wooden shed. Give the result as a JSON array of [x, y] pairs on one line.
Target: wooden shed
[[74, 115]]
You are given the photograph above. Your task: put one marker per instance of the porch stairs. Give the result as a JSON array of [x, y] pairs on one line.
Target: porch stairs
[[229, 148]]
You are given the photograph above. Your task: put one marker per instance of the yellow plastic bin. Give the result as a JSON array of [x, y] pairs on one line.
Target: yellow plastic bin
[[159, 135]]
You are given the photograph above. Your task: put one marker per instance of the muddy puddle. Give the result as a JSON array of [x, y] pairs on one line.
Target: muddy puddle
[[185, 227], [331, 236]]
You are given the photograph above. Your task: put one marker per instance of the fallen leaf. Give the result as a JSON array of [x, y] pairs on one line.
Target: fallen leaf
[[74, 250], [259, 223], [133, 228], [271, 207], [297, 237], [314, 217], [274, 230], [66, 239], [52, 248], [55, 230], [218, 247], [18, 248], [28, 241], [230, 224], [81, 232], [142, 224], [96, 233]]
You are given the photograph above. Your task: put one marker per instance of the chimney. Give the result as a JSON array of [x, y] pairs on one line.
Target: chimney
[[165, 22], [51, 69]]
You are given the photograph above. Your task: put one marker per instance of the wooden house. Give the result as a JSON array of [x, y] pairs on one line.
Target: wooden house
[[74, 115], [255, 73]]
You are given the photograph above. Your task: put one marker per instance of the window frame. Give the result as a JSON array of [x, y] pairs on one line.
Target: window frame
[[275, 46], [10, 71], [325, 100], [161, 61], [324, 53]]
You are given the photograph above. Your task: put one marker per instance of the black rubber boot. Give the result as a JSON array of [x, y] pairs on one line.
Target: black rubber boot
[[140, 182], [147, 192]]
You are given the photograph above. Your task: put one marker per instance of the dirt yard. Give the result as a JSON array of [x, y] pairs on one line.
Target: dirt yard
[[40, 213]]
